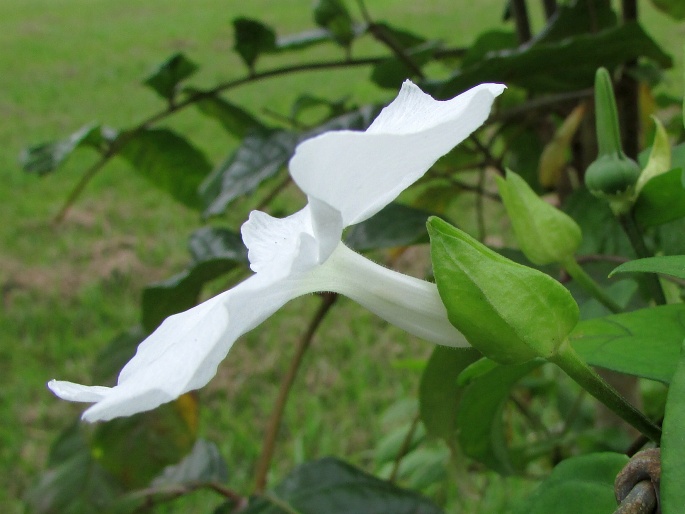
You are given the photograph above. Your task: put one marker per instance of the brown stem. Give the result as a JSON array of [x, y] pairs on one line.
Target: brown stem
[[274, 423], [520, 13]]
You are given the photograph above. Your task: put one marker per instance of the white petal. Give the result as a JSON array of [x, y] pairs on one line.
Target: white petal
[[359, 173], [280, 243], [184, 352]]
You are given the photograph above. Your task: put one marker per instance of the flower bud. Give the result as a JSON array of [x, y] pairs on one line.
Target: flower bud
[[509, 312], [613, 174], [544, 233]]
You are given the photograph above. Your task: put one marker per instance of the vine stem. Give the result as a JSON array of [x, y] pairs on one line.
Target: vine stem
[[571, 363], [406, 444], [588, 283], [274, 423], [634, 234]]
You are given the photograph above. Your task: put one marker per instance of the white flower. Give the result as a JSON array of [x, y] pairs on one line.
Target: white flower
[[348, 177]]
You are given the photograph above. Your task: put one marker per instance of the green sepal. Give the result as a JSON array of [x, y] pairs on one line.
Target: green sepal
[[509, 312], [544, 233]]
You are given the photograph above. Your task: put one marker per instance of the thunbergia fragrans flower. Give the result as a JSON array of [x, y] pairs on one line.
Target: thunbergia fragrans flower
[[348, 177]]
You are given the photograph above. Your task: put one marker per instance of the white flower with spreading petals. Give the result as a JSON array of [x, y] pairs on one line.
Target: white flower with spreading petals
[[348, 177]]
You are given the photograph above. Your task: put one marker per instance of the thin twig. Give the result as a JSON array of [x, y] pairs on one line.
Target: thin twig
[[274, 192], [174, 491], [274, 423], [406, 444]]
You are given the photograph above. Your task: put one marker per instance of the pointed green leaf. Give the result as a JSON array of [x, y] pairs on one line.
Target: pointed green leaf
[[390, 73], [334, 17], [136, 449], [47, 157], [565, 65], [116, 354], [236, 120], [215, 252], [252, 38], [394, 225], [645, 343], [303, 40], [203, 464], [334, 487], [659, 156], [674, 8], [165, 80], [480, 429], [260, 156], [439, 392], [578, 484], [662, 199], [169, 162], [673, 265], [573, 18], [672, 447]]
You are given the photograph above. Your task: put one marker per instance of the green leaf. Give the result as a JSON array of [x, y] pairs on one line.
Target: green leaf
[[395, 225], [236, 120], [306, 102], [303, 40], [645, 343], [392, 444], [169, 162], [578, 484], [662, 199], [136, 449], [391, 72], [252, 38], [674, 8], [260, 156], [334, 17], [215, 252], [487, 42], [573, 18], [166, 78], [203, 464], [47, 157], [116, 354], [334, 487], [673, 265], [672, 448], [566, 65], [659, 156], [439, 392], [479, 416], [76, 486]]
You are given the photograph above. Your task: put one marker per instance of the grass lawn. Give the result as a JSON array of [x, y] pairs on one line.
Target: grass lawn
[[68, 289]]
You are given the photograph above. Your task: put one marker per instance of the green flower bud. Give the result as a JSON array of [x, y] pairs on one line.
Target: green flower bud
[[544, 233], [613, 174], [510, 312]]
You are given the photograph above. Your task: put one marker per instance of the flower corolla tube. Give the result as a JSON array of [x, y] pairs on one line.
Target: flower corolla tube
[[348, 177]]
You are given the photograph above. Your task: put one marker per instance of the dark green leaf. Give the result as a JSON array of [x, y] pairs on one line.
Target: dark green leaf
[[673, 265], [77, 485], [252, 38], [215, 252], [303, 40], [116, 354], [260, 156], [579, 484], [402, 37], [359, 119], [333, 487], [577, 17], [69, 443], [674, 8], [136, 449], [439, 392], [47, 157], [662, 199], [236, 120], [479, 416], [390, 73], [566, 65], [487, 42], [169, 162], [334, 17], [645, 343], [394, 225], [306, 102], [203, 464], [168, 75], [672, 448]]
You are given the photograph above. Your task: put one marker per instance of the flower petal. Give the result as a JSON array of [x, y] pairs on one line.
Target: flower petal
[[184, 352], [359, 173]]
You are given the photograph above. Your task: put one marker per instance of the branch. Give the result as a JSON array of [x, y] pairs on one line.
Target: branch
[[269, 443]]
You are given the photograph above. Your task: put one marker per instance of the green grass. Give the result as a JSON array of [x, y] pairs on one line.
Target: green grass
[[67, 290]]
